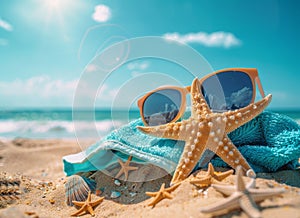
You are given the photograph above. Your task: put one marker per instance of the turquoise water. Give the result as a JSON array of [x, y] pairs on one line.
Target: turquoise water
[[54, 123], [60, 123]]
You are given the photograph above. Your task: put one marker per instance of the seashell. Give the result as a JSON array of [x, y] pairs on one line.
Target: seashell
[[117, 182], [91, 183], [115, 194], [77, 188]]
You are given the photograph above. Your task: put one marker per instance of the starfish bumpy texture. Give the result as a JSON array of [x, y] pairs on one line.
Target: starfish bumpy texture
[[87, 206], [207, 130], [125, 168], [211, 177], [161, 194], [242, 197]]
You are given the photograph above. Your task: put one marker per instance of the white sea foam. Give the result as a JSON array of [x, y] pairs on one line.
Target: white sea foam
[[54, 128]]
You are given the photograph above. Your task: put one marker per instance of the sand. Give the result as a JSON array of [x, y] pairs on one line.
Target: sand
[[38, 163]]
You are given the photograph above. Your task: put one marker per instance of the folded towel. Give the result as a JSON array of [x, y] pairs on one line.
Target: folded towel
[[268, 142]]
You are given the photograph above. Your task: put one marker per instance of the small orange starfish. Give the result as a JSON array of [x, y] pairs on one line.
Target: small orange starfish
[[211, 177], [125, 168], [161, 194], [87, 206]]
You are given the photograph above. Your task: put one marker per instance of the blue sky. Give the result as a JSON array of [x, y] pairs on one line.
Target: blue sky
[[45, 45]]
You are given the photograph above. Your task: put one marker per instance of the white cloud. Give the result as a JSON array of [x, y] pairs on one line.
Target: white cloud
[[239, 97], [102, 13], [215, 39], [37, 91], [5, 25]]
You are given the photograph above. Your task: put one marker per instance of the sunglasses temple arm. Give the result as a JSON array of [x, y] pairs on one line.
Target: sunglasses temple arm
[[261, 90]]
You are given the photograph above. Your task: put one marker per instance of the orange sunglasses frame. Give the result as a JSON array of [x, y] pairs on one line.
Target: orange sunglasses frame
[[251, 72]]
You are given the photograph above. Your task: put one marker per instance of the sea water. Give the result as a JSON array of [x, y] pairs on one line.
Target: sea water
[[60, 123]]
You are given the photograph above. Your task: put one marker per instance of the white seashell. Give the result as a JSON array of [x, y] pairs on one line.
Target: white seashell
[[76, 189]]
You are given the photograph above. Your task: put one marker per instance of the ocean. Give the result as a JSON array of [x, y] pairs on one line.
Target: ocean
[[59, 123]]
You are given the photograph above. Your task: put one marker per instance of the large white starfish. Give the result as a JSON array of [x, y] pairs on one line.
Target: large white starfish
[[241, 197], [207, 130]]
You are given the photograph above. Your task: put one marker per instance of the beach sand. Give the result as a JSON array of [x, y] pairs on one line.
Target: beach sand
[[39, 165]]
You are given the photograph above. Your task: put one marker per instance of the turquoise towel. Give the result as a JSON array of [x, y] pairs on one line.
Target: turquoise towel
[[268, 142]]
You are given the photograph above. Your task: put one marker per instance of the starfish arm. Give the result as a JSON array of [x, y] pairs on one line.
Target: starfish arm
[[173, 131], [120, 173], [224, 189], [173, 187], [251, 184], [126, 171], [162, 187], [156, 200], [87, 205], [97, 202], [78, 203], [260, 195], [79, 211], [161, 194], [199, 105], [249, 206], [125, 168], [210, 170], [223, 175], [126, 174], [217, 182], [188, 160], [151, 194], [202, 182], [89, 197], [228, 203], [90, 210], [241, 116], [130, 168], [167, 195], [240, 184], [120, 162], [231, 155]]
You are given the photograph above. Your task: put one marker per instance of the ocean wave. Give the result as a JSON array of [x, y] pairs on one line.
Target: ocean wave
[[55, 128]]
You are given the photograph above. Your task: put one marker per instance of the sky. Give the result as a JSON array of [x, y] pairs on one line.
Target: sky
[[46, 45]]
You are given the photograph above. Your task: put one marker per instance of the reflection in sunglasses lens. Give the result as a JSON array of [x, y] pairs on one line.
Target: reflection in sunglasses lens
[[162, 107], [228, 90]]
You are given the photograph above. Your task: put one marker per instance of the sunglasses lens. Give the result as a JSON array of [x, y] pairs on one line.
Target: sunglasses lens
[[162, 107], [228, 90]]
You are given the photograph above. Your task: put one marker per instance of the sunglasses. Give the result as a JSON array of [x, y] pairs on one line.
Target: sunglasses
[[223, 90]]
